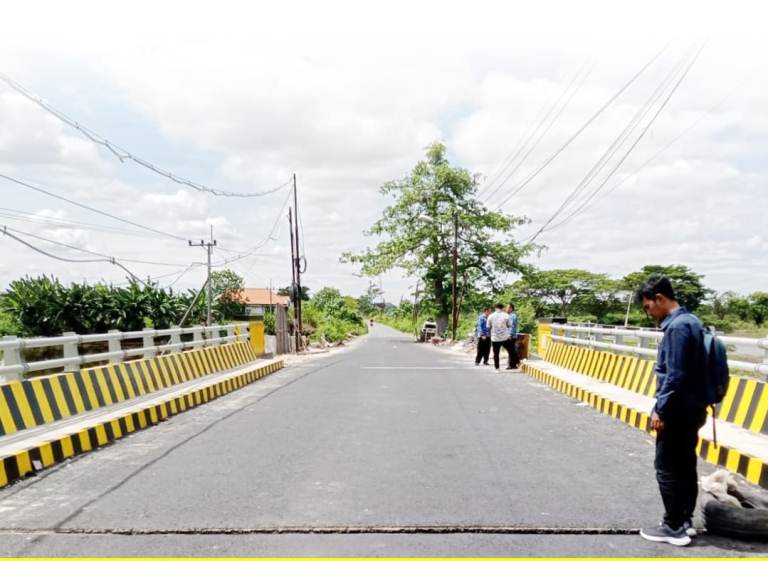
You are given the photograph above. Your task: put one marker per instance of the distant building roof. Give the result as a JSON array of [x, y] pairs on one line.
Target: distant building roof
[[261, 297]]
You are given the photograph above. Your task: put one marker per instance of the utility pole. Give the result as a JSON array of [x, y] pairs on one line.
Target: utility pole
[[209, 245], [293, 281], [298, 258], [415, 309], [454, 274]]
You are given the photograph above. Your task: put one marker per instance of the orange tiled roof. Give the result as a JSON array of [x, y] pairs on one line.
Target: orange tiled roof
[[260, 296]]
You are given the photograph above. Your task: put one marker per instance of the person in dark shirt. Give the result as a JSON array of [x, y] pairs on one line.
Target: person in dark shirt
[[679, 411], [483, 335]]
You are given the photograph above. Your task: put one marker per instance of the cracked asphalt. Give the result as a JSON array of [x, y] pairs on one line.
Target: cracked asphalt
[[387, 447]]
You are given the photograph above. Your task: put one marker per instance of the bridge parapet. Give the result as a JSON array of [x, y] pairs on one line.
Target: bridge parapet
[[15, 367]]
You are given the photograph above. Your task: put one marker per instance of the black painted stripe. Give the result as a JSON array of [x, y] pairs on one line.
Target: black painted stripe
[[58, 452], [34, 405], [93, 437], [110, 385], [764, 477], [35, 456], [78, 449], [740, 386], [124, 379], [66, 389], [171, 367], [83, 391], [110, 433], [46, 384], [156, 381], [11, 468], [91, 373]]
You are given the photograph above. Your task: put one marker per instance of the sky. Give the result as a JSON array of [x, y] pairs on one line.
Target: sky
[[238, 96]]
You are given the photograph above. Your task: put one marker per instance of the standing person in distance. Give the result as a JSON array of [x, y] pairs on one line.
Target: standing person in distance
[[514, 360], [499, 324], [483, 337], [680, 409]]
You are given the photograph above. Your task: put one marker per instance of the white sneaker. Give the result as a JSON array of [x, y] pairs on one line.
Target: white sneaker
[[690, 530]]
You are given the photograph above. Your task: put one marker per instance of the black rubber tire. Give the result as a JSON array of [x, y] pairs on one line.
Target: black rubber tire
[[736, 522]]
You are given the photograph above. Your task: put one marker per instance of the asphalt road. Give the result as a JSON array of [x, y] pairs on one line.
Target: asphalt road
[[376, 446]]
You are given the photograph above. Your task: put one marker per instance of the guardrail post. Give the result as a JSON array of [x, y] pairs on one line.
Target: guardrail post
[[114, 346], [148, 342], [231, 330], [175, 337], [71, 351], [12, 357], [197, 339]]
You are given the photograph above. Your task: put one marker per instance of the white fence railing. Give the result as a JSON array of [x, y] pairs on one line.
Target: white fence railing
[[645, 342], [14, 366]]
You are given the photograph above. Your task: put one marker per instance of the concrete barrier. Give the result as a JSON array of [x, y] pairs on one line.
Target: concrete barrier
[[212, 371]]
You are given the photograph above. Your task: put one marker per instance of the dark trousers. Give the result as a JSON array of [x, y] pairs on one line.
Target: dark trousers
[[483, 349], [675, 465], [509, 346]]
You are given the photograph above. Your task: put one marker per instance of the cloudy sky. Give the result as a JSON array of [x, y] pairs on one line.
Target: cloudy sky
[[239, 95]]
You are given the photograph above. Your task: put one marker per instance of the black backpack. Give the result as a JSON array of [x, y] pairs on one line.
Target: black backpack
[[716, 371]]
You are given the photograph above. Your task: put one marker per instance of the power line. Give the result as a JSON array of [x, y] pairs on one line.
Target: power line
[[554, 106], [609, 152], [637, 140], [111, 260], [122, 154], [90, 208], [33, 218], [88, 251], [575, 135], [663, 149]]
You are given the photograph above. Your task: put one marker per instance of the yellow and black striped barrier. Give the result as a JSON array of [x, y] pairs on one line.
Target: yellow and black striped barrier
[[745, 404], [32, 403]]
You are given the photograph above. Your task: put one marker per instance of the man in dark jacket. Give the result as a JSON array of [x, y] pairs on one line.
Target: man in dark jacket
[[679, 411], [483, 337]]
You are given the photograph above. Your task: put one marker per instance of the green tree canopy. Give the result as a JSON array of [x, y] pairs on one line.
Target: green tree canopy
[[563, 287], [689, 288], [431, 204]]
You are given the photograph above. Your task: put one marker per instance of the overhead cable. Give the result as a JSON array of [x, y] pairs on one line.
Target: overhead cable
[[578, 132], [74, 247], [637, 140], [619, 141], [111, 261], [563, 95], [34, 218], [90, 208], [122, 154]]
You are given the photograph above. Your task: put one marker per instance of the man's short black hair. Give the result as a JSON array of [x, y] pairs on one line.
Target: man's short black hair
[[512, 306], [653, 285], [499, 306]]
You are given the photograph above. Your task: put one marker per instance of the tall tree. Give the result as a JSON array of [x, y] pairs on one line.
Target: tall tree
[[563, 287], [434, 205], [689, 288], [758, 307]]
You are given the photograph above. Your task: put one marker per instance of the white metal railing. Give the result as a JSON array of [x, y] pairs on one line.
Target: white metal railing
[[14, 366], [616, 339]]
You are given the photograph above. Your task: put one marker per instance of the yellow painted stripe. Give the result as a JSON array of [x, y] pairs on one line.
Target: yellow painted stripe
[[725, 407], [46, 454], [732, 461], [754, 470], [143, 379], [42, 400], [101, 435], [67, 448], [117, 432], [24, 462], [5, 416], [123, 372], [85, 441], [760, 413], [746, 400]]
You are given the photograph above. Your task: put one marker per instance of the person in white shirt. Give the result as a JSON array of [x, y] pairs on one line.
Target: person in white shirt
[[499, 326]]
